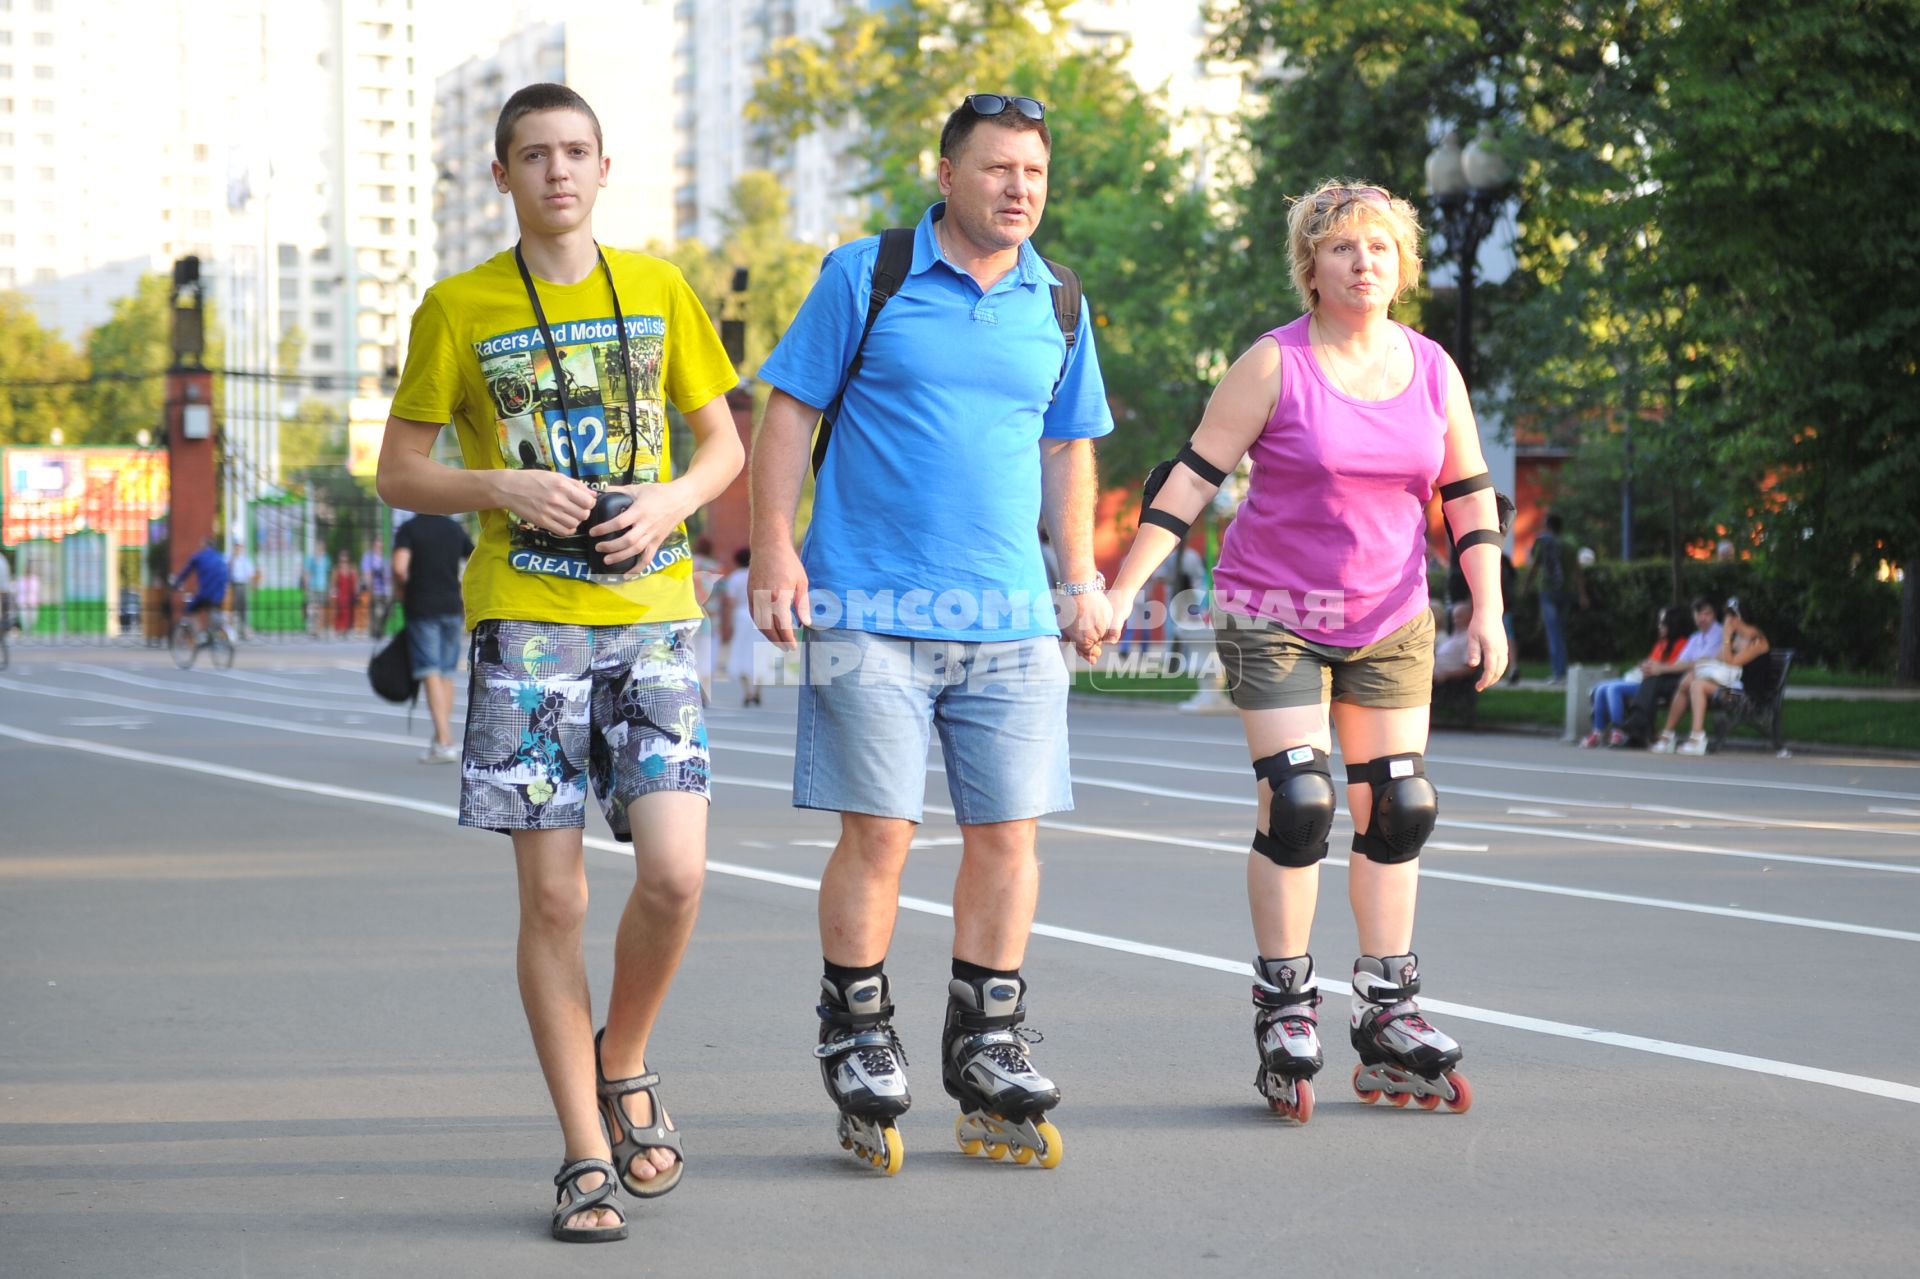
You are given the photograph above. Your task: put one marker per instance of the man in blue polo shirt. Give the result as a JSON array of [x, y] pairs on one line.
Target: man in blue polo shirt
[[922, 602]]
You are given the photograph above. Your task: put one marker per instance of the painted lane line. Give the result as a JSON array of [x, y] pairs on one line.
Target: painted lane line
[[367, 703], [1866, 1084], [1518, 885], [219, 717], [1689, 778], [1635, 806], [1544, 832], [1237, 849]]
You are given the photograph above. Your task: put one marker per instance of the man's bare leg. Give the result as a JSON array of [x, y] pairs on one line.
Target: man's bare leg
[[860, 889], [670, 863], [995, 893], [439, 690]]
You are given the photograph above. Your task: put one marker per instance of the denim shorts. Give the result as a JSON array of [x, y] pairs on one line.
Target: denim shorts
[[433, 644], [551, 708], [869, 704]]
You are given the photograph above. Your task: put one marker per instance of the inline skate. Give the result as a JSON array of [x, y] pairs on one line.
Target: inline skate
[[1402, 1056], [864, 1068], [1286, 1029], [984, 1065]]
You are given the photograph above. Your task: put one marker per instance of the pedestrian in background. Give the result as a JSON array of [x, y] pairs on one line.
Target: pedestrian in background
[[428, 552], [245, 576]]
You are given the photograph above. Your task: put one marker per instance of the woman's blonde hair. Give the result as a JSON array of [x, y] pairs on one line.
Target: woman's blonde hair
[[1337, 206]]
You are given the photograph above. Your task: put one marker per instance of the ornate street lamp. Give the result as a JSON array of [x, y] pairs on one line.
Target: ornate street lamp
[[1468, 188]]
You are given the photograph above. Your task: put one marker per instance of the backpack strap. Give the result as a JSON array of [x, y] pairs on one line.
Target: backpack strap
[[890, 269], [1066, 310]]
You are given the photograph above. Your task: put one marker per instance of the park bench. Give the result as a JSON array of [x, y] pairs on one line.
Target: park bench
[[1760, 710]]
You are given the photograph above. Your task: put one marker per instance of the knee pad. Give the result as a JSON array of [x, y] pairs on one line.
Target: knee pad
[[1302, 810], [1405, 807]]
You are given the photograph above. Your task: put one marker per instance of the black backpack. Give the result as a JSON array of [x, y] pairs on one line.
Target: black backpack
[[889, 273], [391, 672]]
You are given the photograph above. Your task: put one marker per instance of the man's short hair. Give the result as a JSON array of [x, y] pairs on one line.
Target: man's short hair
[[1555, 524], [540, 97], [964, 120], [1702, 601]]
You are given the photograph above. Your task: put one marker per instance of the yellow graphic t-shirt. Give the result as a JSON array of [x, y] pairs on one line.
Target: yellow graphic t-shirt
[[476, 359]]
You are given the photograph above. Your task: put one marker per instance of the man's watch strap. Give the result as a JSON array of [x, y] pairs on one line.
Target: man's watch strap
[[1097, 583]]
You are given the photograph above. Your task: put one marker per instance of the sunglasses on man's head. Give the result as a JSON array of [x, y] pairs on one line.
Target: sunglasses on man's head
[[992, 104]]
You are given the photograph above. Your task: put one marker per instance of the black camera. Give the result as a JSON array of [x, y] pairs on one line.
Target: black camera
[[605, 508]]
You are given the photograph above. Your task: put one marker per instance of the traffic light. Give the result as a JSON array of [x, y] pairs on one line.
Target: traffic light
[[189, 321]]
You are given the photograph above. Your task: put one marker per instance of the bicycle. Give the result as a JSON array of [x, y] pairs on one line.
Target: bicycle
[[186, 641]]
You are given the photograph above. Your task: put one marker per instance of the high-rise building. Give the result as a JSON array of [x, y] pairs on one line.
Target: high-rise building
[[619, 56], [723, 48], [283, 144]]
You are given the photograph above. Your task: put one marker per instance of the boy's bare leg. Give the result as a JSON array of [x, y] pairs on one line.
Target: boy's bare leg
[[670, 861], [553, 990]]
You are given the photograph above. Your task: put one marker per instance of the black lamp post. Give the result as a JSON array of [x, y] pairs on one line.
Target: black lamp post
[[1468, 188]]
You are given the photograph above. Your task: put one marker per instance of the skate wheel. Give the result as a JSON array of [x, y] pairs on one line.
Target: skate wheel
[[1366, 1095], [969, 1144], [1056, 1147], [1303, 1101], [1023, 1154], [1462, 1093], [846, 1143], [993, 1150], [1428, 1101], [1399, 1100], [895, 1155]]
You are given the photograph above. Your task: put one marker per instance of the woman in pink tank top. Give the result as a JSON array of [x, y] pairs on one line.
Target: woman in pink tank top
[[1351, 422]]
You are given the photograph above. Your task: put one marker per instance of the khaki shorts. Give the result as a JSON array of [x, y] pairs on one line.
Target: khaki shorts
[[1270, 668]]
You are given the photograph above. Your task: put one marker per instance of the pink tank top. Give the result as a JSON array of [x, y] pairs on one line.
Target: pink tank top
[[1331, 541]]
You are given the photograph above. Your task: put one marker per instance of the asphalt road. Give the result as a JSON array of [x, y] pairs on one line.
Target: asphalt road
[[257, 1013]]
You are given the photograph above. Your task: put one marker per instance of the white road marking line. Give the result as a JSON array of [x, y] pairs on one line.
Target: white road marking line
[[1534, 812], [1897, 812], [1243, 801], [1689, 778], [1545, 832], [367, 705], [1636, 806], [1638, 1043]]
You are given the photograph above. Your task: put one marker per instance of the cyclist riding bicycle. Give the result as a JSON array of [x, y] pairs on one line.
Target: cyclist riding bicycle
[[208, 568]]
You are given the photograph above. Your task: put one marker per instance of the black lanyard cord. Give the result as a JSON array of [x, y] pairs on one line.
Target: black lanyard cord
[[560, 374]]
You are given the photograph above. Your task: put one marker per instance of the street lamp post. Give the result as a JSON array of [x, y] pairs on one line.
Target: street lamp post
[[1468, 188]]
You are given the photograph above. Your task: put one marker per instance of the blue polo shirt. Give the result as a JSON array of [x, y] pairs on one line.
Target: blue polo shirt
[[926, 514]]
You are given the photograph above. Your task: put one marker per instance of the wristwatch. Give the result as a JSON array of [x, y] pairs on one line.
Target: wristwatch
[[1097, 583]]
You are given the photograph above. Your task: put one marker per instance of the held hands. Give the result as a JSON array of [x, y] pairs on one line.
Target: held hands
[[1119, 609], [1486, 649], [1085, 620], [639, 530], [777, 587]]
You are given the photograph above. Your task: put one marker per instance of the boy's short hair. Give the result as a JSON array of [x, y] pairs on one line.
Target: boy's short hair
[[1701, 601], [540, 97]]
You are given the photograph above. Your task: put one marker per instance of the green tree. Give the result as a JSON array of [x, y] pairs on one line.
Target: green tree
[[128, 355], [1795, 152], [1118, 210], [39, 372], [779, 269]]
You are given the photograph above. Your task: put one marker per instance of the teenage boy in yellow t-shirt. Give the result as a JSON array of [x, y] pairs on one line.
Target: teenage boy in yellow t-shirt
[[580, 598]]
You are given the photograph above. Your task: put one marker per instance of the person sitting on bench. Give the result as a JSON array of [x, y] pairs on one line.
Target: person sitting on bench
[[1744, 663]]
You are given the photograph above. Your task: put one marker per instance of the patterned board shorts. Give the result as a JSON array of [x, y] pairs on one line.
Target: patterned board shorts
[[552, 707]]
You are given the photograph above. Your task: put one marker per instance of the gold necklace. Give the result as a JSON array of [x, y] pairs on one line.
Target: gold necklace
[[1333, 365]]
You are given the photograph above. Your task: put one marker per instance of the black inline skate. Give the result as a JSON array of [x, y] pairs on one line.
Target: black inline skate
[[1402, 1056], [984, 1065], [864, 1068]]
